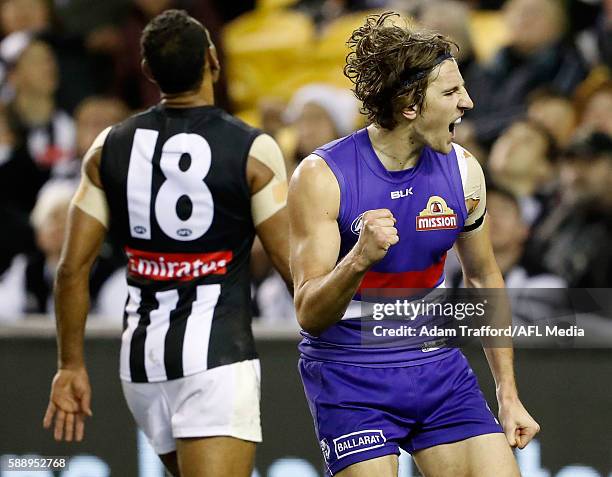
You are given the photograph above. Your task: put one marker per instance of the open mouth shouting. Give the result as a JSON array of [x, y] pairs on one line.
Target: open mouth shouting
[[451, 127]]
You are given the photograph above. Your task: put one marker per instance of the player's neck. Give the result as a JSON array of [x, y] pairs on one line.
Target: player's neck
[[204, 96], [396, 149]]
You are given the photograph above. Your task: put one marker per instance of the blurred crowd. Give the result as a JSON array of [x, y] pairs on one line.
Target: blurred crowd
[[539, 72]]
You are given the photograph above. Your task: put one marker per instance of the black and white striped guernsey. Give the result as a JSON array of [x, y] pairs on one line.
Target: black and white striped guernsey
[[175, 181]]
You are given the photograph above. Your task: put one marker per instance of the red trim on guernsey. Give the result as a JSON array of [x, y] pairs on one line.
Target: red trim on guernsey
[[176, 266], [427, 278]]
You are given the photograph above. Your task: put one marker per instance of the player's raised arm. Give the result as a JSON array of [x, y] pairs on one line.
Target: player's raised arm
[[323, 289], [70, 397], [267, 178]]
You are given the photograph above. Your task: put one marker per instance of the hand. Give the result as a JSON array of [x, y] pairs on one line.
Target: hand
[[378, 234], [518, 425], [69, 403]]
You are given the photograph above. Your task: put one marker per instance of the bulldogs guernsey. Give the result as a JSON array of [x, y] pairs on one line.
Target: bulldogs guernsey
[[428, 203], [175, 181]]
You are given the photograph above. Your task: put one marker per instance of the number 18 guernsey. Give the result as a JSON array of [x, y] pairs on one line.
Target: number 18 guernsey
[[175, 181]]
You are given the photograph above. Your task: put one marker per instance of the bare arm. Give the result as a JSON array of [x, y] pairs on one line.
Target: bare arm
[[70, 397], [323, 289], [84, 238], [268, 185], [481, 271]]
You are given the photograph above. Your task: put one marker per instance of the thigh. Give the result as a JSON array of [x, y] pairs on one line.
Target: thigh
[[385, 466], [215, 457], [480, 456]]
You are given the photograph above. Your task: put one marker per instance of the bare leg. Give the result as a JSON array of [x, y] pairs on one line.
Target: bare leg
[[170, 461], [480, 456], [215, 457], [385, 466]]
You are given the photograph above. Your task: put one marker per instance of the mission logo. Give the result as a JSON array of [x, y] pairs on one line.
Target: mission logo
[[436, 216]]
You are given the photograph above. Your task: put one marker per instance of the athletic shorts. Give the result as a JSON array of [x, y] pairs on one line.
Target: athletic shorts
[[361, 413], [222, 401]]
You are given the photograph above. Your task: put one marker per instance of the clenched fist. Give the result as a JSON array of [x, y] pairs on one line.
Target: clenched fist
[[378, 233]]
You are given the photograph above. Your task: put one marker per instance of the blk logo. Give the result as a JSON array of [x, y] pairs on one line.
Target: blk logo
[[399, 194]]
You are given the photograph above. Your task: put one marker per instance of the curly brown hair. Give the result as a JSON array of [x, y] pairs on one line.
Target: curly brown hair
[[389, 64]]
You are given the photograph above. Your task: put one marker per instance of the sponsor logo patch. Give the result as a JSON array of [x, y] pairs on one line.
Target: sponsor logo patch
[[176, 266], [358, 442], [436, 216]]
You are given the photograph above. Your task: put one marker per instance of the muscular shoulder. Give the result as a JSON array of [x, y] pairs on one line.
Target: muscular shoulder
[[314, 184]]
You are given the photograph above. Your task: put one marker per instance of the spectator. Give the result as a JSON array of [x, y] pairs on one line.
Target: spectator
[[521, 161], [597, 113], [574, 241], [47, 131], [536, 56], [318, 113], [24, 15], [451, 18], [92, 116], [555, 112], [26, 287]]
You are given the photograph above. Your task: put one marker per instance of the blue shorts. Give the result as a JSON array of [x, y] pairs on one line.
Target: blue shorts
[[362, 413]]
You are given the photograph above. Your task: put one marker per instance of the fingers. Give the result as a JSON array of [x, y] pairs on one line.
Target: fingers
[[378, 214], [511, 431], [60, 420], [86, 403], [525, 435], [79, 427], [48, 419], [69, 427]]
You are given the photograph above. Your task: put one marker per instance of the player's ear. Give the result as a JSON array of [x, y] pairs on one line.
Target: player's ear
[[147, 71], [212, 60], [410, 112]]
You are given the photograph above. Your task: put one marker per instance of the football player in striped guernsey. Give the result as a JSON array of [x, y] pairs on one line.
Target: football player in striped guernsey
[[183, 187]]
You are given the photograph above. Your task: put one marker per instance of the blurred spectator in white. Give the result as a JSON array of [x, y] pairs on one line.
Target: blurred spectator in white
[[92, 116], [318, 113], [521, 161], [47, 131], [555, 112], [597, 113], [27, 286], [536, 56], [574, 241]]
